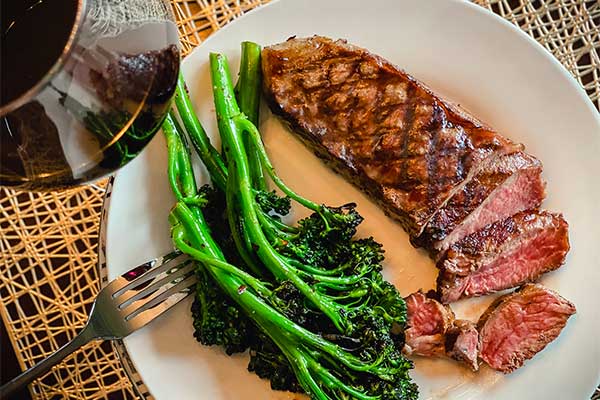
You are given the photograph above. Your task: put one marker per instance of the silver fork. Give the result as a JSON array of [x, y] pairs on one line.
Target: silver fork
[[125, 305]]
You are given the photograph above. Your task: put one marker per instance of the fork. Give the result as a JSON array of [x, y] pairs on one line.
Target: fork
[[123, 306]]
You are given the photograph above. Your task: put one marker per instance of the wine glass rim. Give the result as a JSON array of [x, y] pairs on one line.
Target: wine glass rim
[[56, 67]]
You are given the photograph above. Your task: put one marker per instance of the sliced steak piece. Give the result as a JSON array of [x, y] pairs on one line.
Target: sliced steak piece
[[428, 322], [433, 331], [519, 325], [462, 343], [503, 255], [406, 147], [505, 186]]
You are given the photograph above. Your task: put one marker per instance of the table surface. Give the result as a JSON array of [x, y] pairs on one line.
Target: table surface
[[48, 241]]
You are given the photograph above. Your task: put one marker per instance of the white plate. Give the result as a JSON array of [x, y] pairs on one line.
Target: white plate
[[465, 53]]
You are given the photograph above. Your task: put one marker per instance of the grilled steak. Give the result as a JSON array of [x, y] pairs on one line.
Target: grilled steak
[[519, 325], [433, 331], [462, 343], [506, 185], [505, 254], [428, 322], [458, 188], [407, 148]]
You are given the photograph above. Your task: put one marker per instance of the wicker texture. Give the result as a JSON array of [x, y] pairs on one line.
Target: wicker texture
[[48, 241], [570, 29], [48, 281]]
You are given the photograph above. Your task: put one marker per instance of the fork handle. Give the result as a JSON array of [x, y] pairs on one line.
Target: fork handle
[[85, 336]]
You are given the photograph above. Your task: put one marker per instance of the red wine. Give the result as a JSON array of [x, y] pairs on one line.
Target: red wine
[[100, 101], [34, 34]]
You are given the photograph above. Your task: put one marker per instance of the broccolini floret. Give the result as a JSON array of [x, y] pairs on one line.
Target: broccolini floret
[[325, 319]]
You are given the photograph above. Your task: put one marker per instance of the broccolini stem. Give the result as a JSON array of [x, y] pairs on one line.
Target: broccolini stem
[[248, 279], [332, 279], [209, 155], [305, 367], [247, 88], [283, 228], [173, 149], [304, 376], [333, 381], [271, 232], [274, 227], [181, 176], [235, 219], [190, 228], [319, 271], [309, 268], [231, 125], [247, 92], [256, 140]]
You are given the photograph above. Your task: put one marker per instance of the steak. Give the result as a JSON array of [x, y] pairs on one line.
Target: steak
[[519, 325], [506, 185], [459, 189], [410, 150], [462, 343], [503, 255], [432, 331], [428, 322]]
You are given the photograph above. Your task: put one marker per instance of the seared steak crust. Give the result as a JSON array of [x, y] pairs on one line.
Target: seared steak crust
[[519, 325], [458, 188], [502, 255], [407, 148]]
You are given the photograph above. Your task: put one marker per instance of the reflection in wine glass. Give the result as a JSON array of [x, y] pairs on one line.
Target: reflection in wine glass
[[98, 94]]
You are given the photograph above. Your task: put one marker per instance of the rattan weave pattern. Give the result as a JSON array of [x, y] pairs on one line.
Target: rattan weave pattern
[[48, 241], [569, 29]]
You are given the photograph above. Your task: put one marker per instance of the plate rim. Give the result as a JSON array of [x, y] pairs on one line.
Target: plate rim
[[119, 345], [470, 4]]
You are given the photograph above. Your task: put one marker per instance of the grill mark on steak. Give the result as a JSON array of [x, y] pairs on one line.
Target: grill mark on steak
[[468, 195], [502, 255], [409, 120], [519, 325], [435, 126], [393, 153]]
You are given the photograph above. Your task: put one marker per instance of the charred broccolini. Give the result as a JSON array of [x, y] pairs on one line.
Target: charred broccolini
[[323, 319]]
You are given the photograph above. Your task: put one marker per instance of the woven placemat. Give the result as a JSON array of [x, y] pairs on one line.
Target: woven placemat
[[48, 241]]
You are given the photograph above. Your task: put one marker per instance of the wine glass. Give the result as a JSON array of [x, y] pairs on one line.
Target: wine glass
[[85, 86]]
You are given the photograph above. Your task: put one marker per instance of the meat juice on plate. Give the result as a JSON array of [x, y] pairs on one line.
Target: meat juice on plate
[[82, 97]]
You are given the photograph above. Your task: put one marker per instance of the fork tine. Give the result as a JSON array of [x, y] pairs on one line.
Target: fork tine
[[161, 303], [127, 298], [171, 281], [152, 268]]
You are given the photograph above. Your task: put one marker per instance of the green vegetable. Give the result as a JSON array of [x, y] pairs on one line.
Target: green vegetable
[[210, 156], [247, 93], [218, 320], [328, 231], [324, 319]]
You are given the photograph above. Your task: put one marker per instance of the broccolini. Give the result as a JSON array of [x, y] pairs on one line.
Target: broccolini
[[318, 304]]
